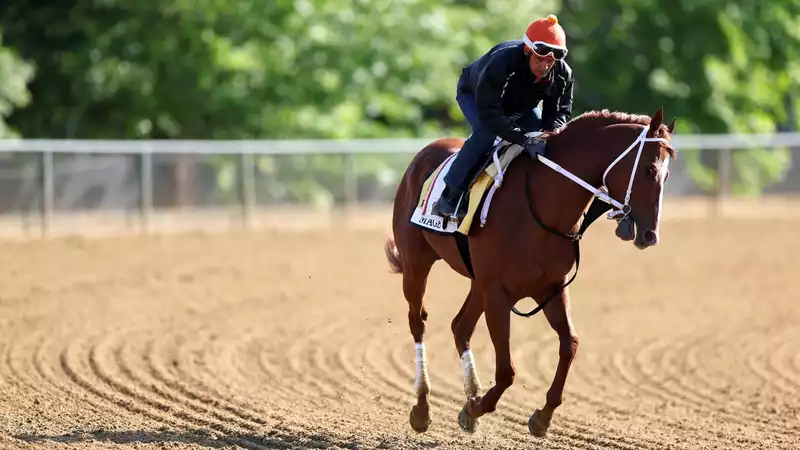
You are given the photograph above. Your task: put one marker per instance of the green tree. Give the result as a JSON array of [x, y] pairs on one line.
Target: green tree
[[119, 69], [14, 77], [254, 69], [343, 69], [719, 66]]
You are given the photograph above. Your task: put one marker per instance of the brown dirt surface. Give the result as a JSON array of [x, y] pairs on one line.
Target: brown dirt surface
[[300, 340]]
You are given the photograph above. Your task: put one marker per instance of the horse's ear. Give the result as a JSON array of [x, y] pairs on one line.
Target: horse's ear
[[656, 120], [671, 126]]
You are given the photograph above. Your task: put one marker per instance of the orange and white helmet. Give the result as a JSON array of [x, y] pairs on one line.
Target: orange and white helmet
[[546, 38]]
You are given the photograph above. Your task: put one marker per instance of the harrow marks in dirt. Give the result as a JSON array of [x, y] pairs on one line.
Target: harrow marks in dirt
[[301, 341]]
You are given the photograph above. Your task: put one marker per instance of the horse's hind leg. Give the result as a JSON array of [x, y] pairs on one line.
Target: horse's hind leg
[[497, 310], [463, 326], [417, 263]]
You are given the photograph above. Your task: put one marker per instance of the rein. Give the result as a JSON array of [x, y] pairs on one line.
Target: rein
[[575, 238], [623, 209]]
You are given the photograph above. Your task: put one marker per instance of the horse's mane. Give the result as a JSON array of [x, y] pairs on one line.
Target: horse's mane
[[590, 120], [604, 117]]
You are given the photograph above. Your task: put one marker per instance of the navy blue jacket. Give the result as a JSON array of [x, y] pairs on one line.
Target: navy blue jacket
[[504, 90]]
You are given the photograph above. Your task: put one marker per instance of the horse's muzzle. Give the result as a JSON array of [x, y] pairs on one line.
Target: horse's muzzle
[[650, 238], [628, 230], [645, 240]]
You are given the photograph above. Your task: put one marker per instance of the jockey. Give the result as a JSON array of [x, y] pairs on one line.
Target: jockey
[[499, 95]]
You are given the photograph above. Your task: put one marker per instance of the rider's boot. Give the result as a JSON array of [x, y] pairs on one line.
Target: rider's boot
[[445, 206]]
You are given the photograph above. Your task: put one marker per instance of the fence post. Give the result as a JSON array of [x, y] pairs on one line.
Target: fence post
[[724, 168], [247, 188], [350, 182], [146, 189], [48, 192]]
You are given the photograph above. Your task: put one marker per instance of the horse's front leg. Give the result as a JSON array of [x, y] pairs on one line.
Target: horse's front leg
[[558, 316], [497, 310]]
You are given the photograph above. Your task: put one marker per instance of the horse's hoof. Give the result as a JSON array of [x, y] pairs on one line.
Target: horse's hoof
[[466, 421], [419, 423], [539, 422]]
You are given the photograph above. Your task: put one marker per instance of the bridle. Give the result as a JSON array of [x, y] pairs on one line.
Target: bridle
[[623, 209], [621, 212]]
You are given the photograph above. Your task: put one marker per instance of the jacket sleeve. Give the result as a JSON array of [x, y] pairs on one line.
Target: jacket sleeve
[[557, 109], [488, 97]]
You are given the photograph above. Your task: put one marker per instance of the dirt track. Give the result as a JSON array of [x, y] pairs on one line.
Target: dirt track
[[301, 341]]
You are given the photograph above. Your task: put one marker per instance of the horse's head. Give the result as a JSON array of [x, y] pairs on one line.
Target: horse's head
[[637, 178]]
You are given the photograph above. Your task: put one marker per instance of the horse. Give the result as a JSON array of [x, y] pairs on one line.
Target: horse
[[529, 243]]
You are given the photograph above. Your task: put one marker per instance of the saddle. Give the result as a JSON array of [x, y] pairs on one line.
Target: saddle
[[495, 166]]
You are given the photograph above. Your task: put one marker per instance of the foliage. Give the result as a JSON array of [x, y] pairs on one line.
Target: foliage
[[251, 69], [14, 77], [718, 66]]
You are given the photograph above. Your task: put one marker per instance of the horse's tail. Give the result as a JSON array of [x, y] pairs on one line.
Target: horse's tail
[[393, 256]]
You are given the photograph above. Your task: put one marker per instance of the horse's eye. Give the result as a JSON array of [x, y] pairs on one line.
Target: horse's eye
[[649, 171]]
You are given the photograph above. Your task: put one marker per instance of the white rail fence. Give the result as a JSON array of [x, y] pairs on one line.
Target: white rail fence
[[247, 150]]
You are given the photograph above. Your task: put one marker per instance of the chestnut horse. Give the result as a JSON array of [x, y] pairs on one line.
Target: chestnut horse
[[529, 243]]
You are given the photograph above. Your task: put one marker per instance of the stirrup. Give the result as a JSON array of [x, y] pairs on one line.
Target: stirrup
[[460, 208], [456, 204], [436, 208]]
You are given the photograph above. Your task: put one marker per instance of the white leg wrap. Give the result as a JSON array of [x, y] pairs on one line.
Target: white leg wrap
[[422, 382], [472, 384]]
